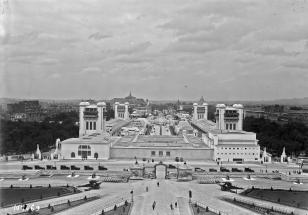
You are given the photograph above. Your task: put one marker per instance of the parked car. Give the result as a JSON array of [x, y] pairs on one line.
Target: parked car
[[197, 169], [248, 170], [223, 169], [73, 167], [38, 167], [50, 167], [88, 168], [25, 167], [236, 170], [63, 167], [170, 166], [102, 168], [212, 170]]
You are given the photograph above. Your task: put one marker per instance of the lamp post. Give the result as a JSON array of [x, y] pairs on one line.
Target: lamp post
[[132, 192]]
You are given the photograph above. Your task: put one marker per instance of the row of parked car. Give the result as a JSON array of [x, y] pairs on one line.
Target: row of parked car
[[223, 169], [62, 167]]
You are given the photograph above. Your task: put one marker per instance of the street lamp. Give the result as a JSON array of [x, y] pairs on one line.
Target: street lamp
[[132, 192]]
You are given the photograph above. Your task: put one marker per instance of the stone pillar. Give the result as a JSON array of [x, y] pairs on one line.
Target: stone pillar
[[283, 155], [195, 114], [116, 116]]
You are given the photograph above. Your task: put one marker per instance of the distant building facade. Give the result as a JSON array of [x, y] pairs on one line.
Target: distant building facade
[[25, 110]]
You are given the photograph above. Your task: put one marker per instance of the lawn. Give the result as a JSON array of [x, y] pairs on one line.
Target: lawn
[[285, 197], [122, 210], [16, 195], [61, 207], [197, 210]]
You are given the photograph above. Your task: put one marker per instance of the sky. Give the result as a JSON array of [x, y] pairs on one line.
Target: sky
[[158, 49]]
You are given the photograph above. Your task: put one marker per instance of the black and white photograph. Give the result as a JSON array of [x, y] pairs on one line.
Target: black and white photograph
[[153, 107]]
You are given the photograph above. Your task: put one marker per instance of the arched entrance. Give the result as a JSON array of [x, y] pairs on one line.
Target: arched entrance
[[160, 171]]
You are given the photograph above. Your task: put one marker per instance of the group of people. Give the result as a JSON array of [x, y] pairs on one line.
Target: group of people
[[171, 205], [154, 203]]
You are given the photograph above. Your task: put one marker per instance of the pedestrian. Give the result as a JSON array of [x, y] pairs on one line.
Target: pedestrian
[[157, 184], [176, 204], [153, 205], [147, 189], [171, 206]]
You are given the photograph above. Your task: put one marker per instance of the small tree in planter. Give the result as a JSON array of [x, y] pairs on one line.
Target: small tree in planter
[[69, 202], [115, 207]]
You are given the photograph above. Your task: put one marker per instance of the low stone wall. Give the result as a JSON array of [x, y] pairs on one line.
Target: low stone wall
[[145, 152]]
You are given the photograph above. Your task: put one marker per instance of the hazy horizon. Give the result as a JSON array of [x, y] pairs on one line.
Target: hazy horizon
[[161, 50]]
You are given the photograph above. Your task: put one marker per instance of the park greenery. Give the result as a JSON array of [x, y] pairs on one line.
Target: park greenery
[[274, 135]]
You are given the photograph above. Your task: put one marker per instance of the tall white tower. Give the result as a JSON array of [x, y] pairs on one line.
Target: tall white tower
[[126, 113], [220, 116], [101, 120], [116, 115], [195, 114], [205, 105], [240, 110], [82, 107]]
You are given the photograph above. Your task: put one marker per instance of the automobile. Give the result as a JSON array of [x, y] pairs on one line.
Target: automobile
[[248, 170], [25, 167], [50, 167], [223, 169], [88, 168], [73, 167], [63, 167], [102, 168], [236, 170], [170, 166], [212, 170], [38, 167], [197, 169]]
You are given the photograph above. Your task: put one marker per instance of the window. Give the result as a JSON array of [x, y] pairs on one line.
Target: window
[[227, 126], [168, 154], [234, 126], [160, 153], [72, 154], [84, 151], [90, 125], [152, 153], [87, 125], [94, 125]]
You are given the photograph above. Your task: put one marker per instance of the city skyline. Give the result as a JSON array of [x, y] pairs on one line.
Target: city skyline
[[239, 50]]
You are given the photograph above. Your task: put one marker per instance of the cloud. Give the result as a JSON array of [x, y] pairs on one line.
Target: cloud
[[91, 70], [296, 65], [275, 51], [131, 49], [98, 36]]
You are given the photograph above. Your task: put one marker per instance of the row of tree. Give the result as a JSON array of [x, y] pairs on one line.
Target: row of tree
[[274, 136], [22, 137]]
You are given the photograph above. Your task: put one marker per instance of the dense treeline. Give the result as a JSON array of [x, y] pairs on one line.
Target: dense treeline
[[274, 136], [22, 137]]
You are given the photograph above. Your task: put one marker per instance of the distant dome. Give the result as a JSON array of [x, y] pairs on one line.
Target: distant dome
[[84, 104], [220, 105], [237, 106], [195, 104], [126, 103], [101, 104], [117, 103], [205, 104]]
